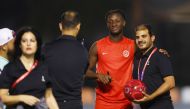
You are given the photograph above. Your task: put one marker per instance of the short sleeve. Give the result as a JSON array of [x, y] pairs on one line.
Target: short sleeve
[[165, 66], [47, 77], [6, 78]]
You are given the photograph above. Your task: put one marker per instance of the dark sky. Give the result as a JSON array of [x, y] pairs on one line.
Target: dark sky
[[44, 16]]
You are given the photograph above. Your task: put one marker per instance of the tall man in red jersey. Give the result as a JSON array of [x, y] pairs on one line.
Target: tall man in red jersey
[[113, 57]]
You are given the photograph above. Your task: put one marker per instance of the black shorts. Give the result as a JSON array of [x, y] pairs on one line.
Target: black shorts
[[161, 104], [72, 104]]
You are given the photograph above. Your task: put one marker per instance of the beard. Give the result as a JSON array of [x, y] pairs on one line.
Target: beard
[[10, 55], [143, 44], [146, 48]]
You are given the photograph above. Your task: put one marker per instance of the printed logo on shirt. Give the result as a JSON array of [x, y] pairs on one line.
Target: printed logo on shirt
[[43, 79], [125, 53], [104, 53]]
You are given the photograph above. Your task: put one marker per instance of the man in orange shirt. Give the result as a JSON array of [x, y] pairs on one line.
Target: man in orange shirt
[[113, 57]]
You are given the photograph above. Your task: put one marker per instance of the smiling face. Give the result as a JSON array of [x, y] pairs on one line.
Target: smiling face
[[28, 44], [115, 24], [144, 40]]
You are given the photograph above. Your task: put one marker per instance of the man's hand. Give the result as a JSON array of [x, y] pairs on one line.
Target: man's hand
[[104, 78], [164, 52], [146, 98], [28, 99]]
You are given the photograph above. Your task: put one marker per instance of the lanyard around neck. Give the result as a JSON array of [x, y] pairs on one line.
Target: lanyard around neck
[[25, 74], [140, 76]]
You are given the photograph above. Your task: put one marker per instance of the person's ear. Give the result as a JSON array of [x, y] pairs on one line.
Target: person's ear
[[124, 23], [78, 26], [153, 38], [60, 26], [4, 47]]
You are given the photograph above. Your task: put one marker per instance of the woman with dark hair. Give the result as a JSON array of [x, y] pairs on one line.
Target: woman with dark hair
[[20, 33], [24, 81]]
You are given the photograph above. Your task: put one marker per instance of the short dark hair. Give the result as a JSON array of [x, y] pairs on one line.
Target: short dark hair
[[19, 34], [70, 19], [115, 11], [143, 27]]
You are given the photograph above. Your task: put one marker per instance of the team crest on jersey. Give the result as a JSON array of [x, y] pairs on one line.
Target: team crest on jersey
[[125, 53]]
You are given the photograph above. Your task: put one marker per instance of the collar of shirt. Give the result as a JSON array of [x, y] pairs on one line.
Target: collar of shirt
[[68, 37], [4, 59], [148, 53], [3, 62], [20, 65]]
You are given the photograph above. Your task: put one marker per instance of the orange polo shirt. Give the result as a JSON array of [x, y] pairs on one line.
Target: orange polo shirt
[[117, 59]]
